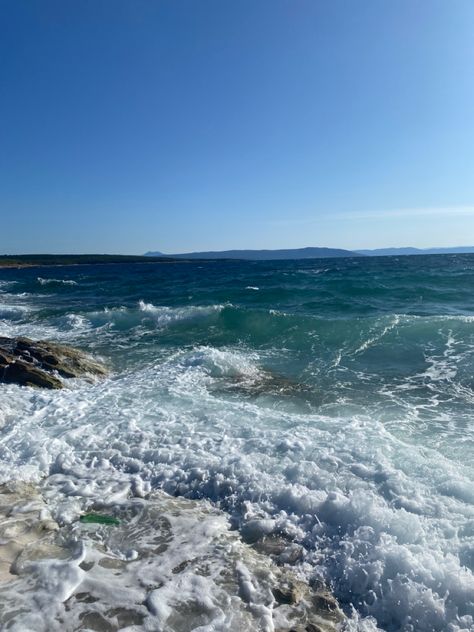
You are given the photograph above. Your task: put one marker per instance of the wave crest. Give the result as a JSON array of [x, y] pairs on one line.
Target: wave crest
[[164, 315], [43, 281]]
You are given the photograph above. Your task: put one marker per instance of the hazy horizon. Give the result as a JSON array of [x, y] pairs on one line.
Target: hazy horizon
[[152, 251]]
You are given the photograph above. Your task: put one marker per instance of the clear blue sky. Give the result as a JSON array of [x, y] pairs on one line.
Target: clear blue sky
[[182, 125]]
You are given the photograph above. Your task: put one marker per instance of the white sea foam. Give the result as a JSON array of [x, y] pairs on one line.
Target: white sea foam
[[77, 321], [313, 272], [170, 566], [378, 334], [4, 284], [386, 522], [164, 315], [36, 330], [443, 366], [15, 319], [218, 362], [13, 312], [386, 519], [147, 314], [43, 281]]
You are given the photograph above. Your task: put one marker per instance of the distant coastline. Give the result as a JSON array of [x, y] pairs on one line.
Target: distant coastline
[[47, 260], [311, 253], [264, 255], [397, 252]]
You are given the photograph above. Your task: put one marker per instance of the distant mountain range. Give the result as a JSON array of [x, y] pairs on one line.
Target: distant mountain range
[[262, 255], [382, 252], [310, 253]]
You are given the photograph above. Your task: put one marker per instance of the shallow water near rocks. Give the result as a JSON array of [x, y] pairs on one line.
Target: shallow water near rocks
[[330, 408], [169, 564]]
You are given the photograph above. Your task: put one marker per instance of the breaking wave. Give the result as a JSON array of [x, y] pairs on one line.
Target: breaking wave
[[42, 281]]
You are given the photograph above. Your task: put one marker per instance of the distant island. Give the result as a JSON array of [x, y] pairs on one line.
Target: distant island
[[264, 255], [390, 252]]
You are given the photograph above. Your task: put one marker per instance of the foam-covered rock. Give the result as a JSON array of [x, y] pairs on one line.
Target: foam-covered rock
[[25, 521], [170, 565]]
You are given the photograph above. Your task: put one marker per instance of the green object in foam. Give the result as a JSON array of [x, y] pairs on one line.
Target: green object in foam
[[95, 518]]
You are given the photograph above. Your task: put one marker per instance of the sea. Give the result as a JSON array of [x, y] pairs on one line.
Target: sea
[[327, 403]]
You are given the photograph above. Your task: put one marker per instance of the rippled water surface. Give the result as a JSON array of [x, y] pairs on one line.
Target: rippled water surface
[[329, 402]]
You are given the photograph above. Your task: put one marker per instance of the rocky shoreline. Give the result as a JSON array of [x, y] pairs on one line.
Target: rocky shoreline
[[176, 563], [181, 562], [43, 364]]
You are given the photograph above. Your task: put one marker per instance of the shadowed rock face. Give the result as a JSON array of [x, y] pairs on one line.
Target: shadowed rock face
[[41, 363]]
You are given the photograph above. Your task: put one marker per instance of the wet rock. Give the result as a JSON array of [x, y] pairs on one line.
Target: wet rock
[[314, 606], [189, 571], [280, 549], [24, 521], [290, 592], [309, 627], [17, 371], [41, 363]]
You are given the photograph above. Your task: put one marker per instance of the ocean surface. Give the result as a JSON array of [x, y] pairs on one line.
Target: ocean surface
[[326, 402]]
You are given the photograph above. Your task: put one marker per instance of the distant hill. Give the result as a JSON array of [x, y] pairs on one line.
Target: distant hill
[[265, 255], [383, 252]]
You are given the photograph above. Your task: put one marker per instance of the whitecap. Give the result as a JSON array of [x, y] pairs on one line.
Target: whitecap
[[164, 315], [4, 284], [43, 281], [13, 312], [220, 362]]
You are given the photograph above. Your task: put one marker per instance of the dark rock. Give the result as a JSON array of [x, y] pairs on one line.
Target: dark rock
[[314, 608], [41, 363], [309, 627], [290, 592], [280, 549], [67, 361], [24, 373]]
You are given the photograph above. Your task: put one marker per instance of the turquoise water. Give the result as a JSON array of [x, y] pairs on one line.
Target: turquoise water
[[325, 401]]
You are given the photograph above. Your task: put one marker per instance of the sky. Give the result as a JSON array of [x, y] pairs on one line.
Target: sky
[[181, 125]]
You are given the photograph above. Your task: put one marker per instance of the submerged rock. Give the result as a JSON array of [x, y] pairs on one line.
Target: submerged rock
[[170, 565], [25, 521], [41, 363]]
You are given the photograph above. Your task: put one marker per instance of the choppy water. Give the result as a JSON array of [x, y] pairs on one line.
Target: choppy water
[[328, 401]]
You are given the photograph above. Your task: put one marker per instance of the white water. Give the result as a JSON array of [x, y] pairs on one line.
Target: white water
[[387, 522], [43, 281], [169, 566]]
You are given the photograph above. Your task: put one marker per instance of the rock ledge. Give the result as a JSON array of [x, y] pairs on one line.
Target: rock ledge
[[41, 363]]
